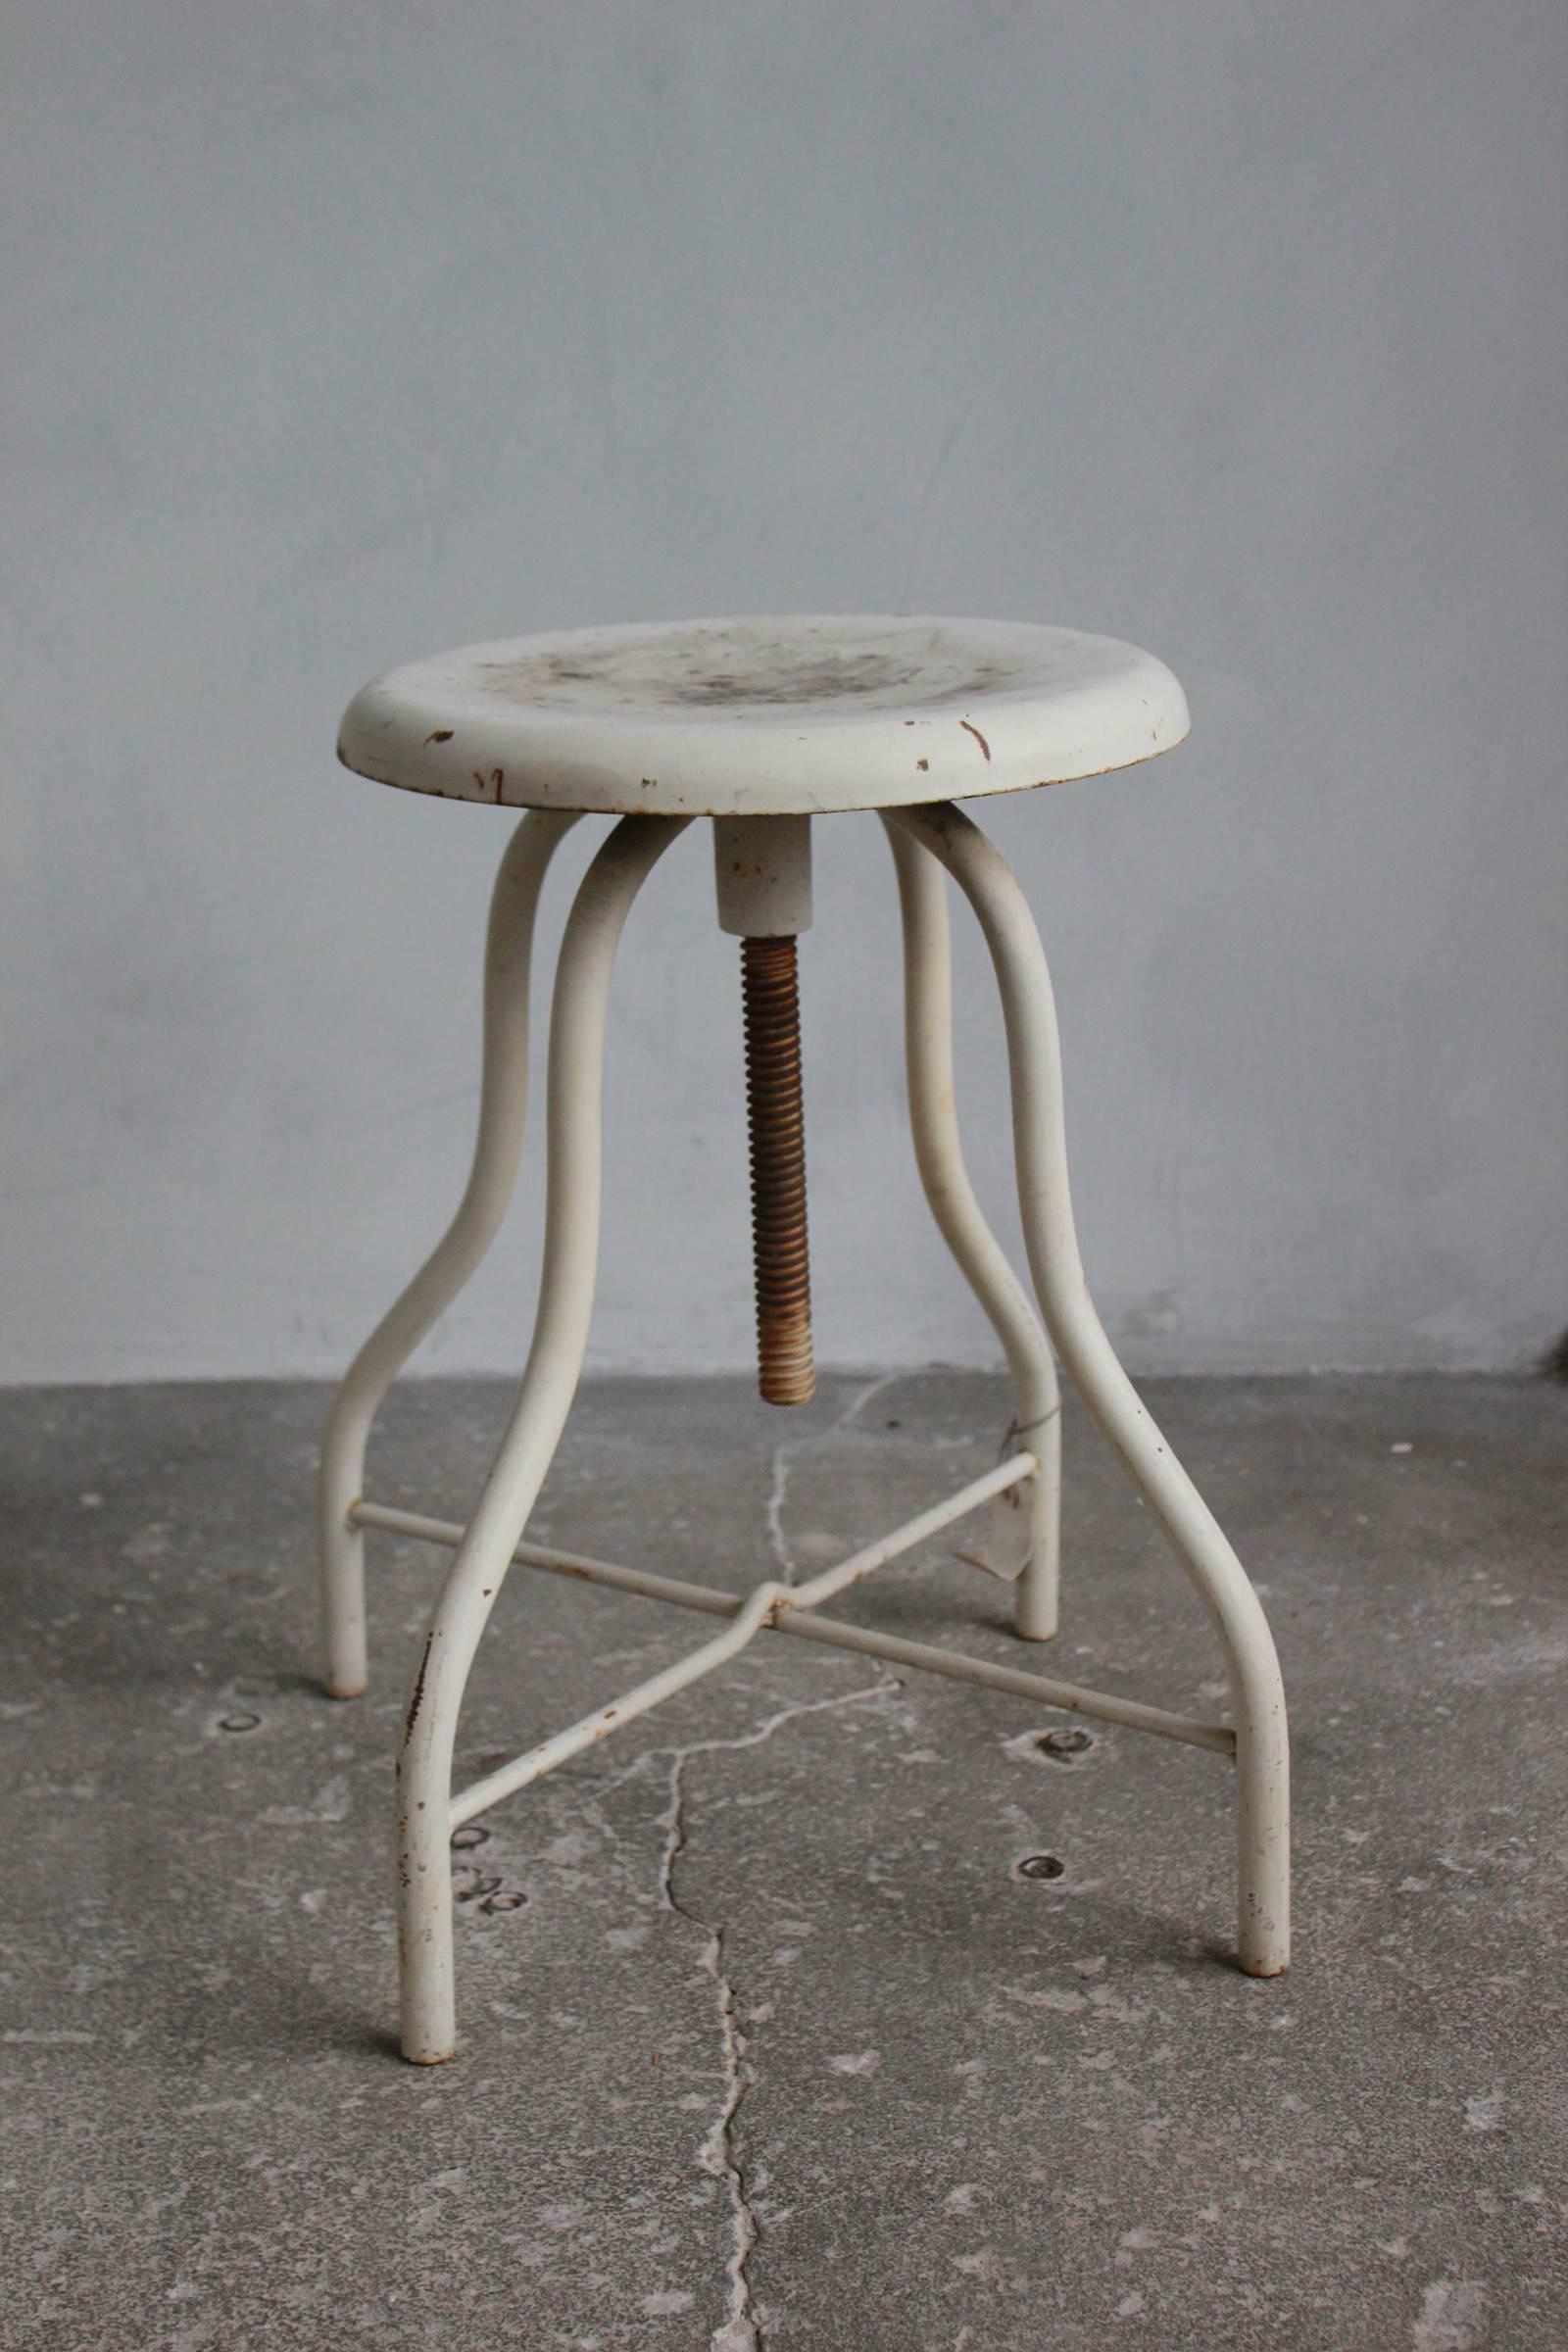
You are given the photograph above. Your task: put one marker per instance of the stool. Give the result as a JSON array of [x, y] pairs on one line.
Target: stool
[[762, 725]]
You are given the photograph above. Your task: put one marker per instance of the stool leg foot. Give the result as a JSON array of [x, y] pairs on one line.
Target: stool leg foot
[[1262, 1765], [549, 1384], [939, 1156], [503, 1100]]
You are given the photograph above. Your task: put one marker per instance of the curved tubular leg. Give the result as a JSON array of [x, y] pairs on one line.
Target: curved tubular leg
[[939, 1156], [502, 1099], [1262, 1768], [549, 1383]]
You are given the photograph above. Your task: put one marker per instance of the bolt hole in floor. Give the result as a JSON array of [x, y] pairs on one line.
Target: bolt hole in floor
[[1061, 1748], [487, 1889]]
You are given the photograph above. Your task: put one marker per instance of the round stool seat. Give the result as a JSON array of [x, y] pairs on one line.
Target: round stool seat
[[764, 718]]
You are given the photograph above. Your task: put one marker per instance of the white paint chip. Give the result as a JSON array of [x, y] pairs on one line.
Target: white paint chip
[[858, 2062], [1454, 2316], [329, 1803], [1051, 1996]]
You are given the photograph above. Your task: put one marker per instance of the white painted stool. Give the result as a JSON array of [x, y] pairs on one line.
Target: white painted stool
[[762, 725]]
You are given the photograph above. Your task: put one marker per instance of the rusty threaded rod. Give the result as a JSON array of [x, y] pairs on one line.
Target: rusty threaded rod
[[775, 1117]]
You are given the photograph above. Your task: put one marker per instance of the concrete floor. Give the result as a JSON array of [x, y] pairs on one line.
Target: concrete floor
[[766, 2041]]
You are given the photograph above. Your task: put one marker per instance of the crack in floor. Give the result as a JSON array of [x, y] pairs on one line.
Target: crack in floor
[[718, 2157], [784, 1454]]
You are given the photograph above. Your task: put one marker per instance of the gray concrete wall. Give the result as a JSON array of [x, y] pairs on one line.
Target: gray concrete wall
[[346, 333]]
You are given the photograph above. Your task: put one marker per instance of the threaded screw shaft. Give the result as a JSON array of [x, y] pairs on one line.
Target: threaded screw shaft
[[775, 1117]]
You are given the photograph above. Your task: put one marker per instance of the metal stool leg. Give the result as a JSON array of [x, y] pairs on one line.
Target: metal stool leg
[[503, 1100], [939, 1155], [549, 1383], [1262, 1769]]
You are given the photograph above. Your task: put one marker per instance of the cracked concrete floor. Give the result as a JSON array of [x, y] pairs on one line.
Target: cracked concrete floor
[[766, 2041]]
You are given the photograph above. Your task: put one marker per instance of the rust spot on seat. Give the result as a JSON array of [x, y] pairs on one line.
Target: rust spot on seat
[[979, 738], [441, 735]]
